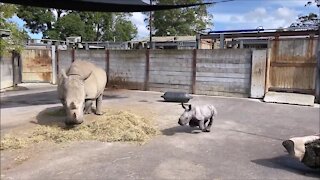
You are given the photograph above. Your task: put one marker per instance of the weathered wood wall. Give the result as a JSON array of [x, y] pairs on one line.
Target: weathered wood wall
[[223, 72], [127, 69], [292, 65], [36, 65], [170, 70], [6, 73]]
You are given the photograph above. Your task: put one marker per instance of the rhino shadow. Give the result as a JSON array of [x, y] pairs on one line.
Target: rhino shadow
[[287, 163], [180, 129], [52, 116]]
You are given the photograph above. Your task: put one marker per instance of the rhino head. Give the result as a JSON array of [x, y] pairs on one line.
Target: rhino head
[[74, 98], [186, 115]]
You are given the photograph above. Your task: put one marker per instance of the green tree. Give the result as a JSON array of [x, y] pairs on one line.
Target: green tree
[[310, 20], [91, 26], [122, 29], [184, 21], [17, 38]]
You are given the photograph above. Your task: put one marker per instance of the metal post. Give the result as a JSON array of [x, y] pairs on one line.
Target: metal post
[[194, 71], [54, 65], [221, 41], [241, 44], [150, 26], [198, 41], [147, 70], [317, 93]]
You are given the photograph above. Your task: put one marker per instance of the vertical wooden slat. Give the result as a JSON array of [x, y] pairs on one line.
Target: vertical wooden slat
[[194, 71], [147, 69]]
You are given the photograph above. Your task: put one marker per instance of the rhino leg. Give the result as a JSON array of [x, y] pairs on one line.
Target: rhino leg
[[201, 125], [209, 125], [63, 104], [99, 105], [88, 106]]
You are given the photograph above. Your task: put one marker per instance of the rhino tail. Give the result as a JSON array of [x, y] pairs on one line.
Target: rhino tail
[[214, 110]]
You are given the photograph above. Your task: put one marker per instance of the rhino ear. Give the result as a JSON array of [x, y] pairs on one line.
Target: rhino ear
[[63, 73]]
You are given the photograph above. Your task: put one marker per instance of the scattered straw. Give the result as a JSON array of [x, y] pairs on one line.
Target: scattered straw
[[110, 127]]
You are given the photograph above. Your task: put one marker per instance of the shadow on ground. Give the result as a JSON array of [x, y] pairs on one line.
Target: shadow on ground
[[49, 97], [52, 116], [43, 98], [179, 129], [289, 164]]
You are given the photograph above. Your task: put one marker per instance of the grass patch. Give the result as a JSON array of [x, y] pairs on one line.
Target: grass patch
[[110, 127]]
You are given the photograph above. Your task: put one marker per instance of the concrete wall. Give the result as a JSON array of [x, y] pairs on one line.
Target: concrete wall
[[6, 71], [64, 59], [170, 70], [222, 72], [98, 57], [127, 69]]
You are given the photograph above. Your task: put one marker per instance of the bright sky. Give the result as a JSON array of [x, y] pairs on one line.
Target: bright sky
[[238, 14]]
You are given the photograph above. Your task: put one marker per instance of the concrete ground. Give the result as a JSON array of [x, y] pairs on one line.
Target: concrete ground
[[244, 142]]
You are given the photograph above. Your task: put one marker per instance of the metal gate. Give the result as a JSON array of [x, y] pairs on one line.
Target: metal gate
[[36, 65], [292, 65]]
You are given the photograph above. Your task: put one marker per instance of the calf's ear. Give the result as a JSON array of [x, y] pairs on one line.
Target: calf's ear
[[183, 106]]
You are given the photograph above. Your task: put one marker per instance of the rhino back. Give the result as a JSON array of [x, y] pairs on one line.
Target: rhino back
[[95, 83], [82, 68], [202, 112]]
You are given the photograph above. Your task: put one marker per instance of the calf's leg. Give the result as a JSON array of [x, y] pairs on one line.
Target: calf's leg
[[201, 125], [209, 125]]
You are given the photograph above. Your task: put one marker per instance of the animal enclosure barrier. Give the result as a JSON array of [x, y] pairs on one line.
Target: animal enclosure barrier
[[292, 65], [224, 72], [36, 65]]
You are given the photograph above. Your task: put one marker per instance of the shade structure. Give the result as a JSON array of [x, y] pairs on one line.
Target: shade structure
[[100, 5]]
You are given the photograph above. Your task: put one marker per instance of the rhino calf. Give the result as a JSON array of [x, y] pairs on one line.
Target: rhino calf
[[198, 116], [82, 84]]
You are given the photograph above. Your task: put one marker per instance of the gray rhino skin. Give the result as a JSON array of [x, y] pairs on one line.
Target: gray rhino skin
[[78, 87], [198, 116]]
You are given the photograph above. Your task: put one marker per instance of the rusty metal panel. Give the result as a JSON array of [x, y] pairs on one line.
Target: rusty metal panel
[[293, 64], [36, 65]]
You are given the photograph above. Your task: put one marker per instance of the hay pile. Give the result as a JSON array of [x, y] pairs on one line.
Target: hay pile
[[110, 127]]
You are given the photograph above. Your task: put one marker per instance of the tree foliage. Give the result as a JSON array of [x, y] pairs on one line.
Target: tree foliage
[[185, 21], [310, 20], [307, 21], [17, 38], [91, 26]]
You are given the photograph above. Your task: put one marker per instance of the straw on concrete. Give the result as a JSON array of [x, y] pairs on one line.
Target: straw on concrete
[[110, 127]]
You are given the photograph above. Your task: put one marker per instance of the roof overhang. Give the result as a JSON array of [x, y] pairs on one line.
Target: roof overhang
[[100, 5]]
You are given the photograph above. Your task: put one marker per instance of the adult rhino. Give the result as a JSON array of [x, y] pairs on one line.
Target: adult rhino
[[78, 87]]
